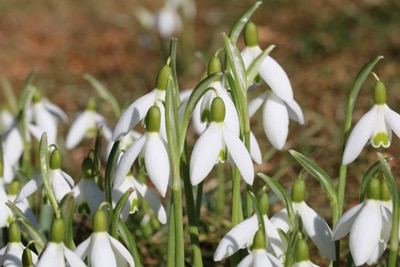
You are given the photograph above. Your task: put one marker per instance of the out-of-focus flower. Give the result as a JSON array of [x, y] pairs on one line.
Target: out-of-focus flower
[[168, 21], [11, 254], [368, 224], [85, 124], [376, 126], [61, 183], [132, 204], [101, 249], [88, 195], [217, 143], [152, 150], [55, 252]]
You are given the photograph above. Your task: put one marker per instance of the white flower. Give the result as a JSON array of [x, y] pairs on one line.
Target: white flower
[[369, 226], [305, 264], [260, 258], [376, 125], [168, 21], [217, 143], [144, 191], [57, 254], [87, 195], [315, 226], [242, 235], [276, 114], [13, 148], [153, 150], [85, 124], [101, 249]]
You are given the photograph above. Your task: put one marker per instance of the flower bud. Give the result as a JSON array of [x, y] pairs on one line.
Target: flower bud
[[14, 187], [298, 190], [385, 192], [36, 96], [91, 104], [55, 159], [214, 66], [218, 110], [57, 230], [374, 188], [380, 93], [250, 34], [162, 77], [14, 233], [302, 251], [264, 203], [99, 221], [259, 240], [153, 119], [27, 258], [87, 168]]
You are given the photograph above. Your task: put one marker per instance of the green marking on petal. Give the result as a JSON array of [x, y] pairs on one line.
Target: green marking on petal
[[381, 139], [218, 110], [374, 188], [134, 206]]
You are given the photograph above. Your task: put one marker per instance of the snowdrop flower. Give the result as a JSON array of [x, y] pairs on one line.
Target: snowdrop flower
[[314, 225], [139, 108], [11, 254], [61, 183], [56, 253], [45, 116], [368, 225], [101, 249], [88, 195], [376, 125], [258, 256], [215, 145], [302, 254], [85, 125], [168, 21], [152, 150], [242, 235], [132, 204]]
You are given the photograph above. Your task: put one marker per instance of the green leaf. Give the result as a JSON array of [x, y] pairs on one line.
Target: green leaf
[[283, 196], [117, 211], [129, 242], [26, 88], [242, 20], [104, 93], [236, 65], [67, 207], [252, 70], [9, 95], [40, 240]]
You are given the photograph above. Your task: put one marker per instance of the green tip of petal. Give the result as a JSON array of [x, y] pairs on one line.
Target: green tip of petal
[[381, 139], [259, 240], [57, 230], [250, 34], [214, 66], [374, 189], [218, 110], [380, 93], [153, 119], [99, 221], [298, 190], [55, 160], [14, 233], [87, 168], [162, 78], [302, 251]]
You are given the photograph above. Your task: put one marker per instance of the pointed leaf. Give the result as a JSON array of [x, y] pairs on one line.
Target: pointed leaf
[[236, 65], [117, 211], [242, 20], [67, 207]]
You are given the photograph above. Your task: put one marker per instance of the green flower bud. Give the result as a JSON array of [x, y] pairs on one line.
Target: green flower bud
[[298, 190], [380, 93], [259, 240], [14, 187], [218, 110], [374, 188], [99, 221], [87, 168], [153, 119], [14, 233], [91, 104], [250, 34], [55, 159], [57, 230], [214, 65], [162, 77], [302, 251], [385, 192], [36, 97], [27, 258], [264, 203]]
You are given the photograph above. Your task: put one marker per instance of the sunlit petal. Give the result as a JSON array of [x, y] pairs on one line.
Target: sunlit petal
[[101, 253], [295, 112], [255, 150], [281, 220], [29, 188], [256, 103], [122, 255], [260, 258], [72, 258], [393, 119], [78, 130], [343, 226]]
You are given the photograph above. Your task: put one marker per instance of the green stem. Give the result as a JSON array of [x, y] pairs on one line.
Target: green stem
[[171, 238], [237, 212], [220, 192]]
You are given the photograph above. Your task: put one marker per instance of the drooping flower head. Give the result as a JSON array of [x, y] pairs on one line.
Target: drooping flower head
[[376, 126]]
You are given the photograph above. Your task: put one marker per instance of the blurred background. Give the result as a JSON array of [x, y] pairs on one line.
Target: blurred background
[[322, 45]]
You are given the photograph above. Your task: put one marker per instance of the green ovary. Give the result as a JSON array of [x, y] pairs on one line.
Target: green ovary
[[381, 139]]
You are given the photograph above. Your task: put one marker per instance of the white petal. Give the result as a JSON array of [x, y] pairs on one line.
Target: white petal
[[280, 220], [343, 226], [72, 258], [365, 232], [47, 123], [274, 240], [157, 162], [239, 154], [77, 130], [153, 200], [247, 56], [247, 261], [255, 150], [260, 258], [100, 120], [55, 111], [94, 196], [83, 249], [205, 153], [295, 112], [29, 188], [275, 121], [256, 103], [101, 253], [60, 186], [52, 255], [393, 119], [127, 160], [133, 114], [318, 230], [359, 136], [121, 253], [238, 237]]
